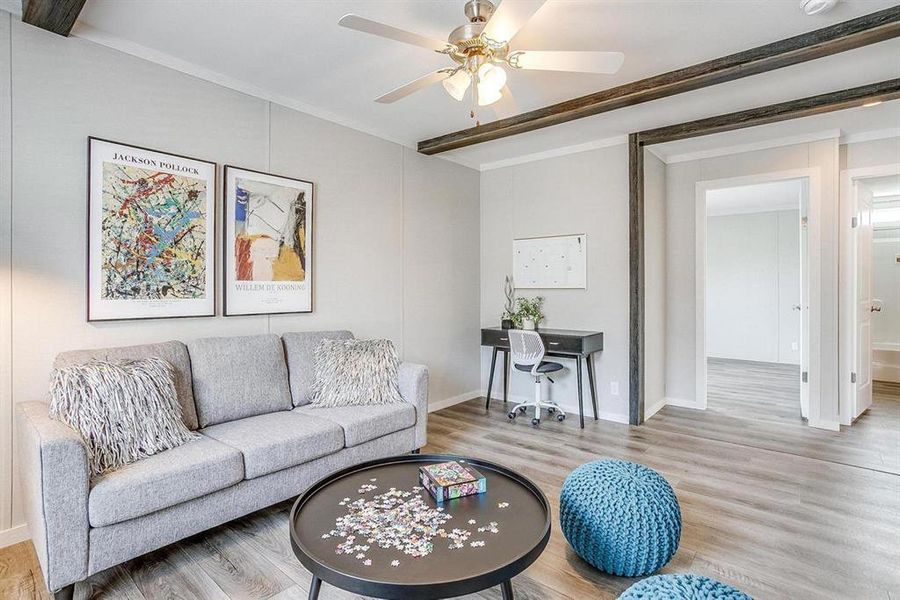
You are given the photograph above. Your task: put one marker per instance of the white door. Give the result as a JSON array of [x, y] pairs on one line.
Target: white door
[[864, 302], [804, 300]]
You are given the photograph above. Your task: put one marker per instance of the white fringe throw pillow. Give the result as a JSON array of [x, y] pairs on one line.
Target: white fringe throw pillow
[[124, 411], [355, 373]]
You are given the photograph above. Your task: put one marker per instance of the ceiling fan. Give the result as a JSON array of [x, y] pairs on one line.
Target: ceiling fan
[[480, 50]]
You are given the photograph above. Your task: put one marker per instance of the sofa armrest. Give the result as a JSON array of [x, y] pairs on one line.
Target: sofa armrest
[[53, 468], [413, 380]]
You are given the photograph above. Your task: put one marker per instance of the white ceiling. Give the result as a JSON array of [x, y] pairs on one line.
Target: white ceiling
[[293, 52], [760, 197]]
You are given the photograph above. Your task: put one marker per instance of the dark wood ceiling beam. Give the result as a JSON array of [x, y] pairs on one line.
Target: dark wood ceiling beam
[[57, 16], [773, 113], [862, 31]]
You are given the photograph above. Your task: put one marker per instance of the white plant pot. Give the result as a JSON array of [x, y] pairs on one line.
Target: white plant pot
[[528, 324]]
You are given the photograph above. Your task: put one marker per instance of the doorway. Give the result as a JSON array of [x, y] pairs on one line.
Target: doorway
[[754, 302], [870, 287]]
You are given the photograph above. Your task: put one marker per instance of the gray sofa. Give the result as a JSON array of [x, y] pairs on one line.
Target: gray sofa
[[261, 444]]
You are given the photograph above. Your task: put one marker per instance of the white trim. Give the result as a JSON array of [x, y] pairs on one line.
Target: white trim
[[14, 535], [828, 425], [683, 403], [847, 286], [555, 152], [453, 400], [882, 371], [102, 38], [869, 136], [814, 177], [654, 408], [804, 138]]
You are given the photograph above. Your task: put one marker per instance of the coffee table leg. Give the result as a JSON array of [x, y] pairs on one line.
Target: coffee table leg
[[506, 590], [314, 586]]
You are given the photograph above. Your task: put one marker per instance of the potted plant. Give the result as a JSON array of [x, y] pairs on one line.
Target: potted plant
[[529, 314], [508, 318]]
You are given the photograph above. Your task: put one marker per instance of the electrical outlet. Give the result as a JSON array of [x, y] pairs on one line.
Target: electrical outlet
[[795, 346], [614, 388]]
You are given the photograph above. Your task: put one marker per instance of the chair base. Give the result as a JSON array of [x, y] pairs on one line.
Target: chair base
[[538, 406]]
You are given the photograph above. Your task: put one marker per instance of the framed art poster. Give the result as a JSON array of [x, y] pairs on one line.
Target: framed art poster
[[268, 243], [151, 233]]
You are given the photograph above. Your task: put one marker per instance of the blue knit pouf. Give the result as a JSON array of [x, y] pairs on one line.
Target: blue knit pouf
[[682, 587], [621, 517]]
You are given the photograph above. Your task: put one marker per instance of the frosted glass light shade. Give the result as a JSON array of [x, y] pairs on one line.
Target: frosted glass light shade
[[457, 85]]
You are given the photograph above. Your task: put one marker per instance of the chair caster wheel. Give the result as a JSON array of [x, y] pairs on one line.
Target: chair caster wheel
[[512, 415], [560, 418], [522, 410], [535, 422], [551, 410]]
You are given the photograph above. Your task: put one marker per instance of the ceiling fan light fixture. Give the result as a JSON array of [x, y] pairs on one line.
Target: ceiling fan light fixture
[[815, 7], [457, 84], [488, 95], [491, 77]]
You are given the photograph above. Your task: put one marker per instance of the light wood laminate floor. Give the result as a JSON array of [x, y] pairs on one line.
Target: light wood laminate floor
[[754, 390], [781, 511]]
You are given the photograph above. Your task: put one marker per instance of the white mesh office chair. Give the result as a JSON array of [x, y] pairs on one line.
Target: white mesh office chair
[[527, 350]]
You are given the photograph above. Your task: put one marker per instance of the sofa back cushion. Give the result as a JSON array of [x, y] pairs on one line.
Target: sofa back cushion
[[175, 353], [238, 377], [300, 348]]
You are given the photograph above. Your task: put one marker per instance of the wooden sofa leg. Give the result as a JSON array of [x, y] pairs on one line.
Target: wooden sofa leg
[[66, 593]]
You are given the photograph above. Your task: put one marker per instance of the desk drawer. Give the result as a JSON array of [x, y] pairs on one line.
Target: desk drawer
[[494, 337], [561, 343]]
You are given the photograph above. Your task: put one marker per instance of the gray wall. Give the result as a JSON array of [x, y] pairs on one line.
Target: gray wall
[[654, 283], [396, 243], [578, 193], [752, 283]]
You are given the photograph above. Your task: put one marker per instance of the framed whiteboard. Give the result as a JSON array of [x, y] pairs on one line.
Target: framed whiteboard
[[551, 262]]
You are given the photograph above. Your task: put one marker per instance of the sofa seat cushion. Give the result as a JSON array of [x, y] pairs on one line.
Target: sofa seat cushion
[[364, 423], [189, 471], [278, 440]]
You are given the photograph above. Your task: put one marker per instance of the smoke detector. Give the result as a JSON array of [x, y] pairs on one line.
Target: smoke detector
[[817, 7]]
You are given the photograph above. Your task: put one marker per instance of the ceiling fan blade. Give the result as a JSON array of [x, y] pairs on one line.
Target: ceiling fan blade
[[576, 62], [413, 86], [509, 18], [358, 23]]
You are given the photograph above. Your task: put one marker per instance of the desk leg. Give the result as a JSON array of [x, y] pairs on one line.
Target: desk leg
[[590, 366], [314, 586], [487, 403], [580, 394], [507, 590], [505, 375]]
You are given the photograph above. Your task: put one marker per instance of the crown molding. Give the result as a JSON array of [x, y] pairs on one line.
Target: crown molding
[[804, 138], [555, 152]]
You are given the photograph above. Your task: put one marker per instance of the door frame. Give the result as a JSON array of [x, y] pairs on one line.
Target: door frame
[[847, 284], [813, 333]]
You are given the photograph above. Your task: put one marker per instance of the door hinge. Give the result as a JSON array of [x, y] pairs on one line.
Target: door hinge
[[804, 377], [854, 222], [852, 377]]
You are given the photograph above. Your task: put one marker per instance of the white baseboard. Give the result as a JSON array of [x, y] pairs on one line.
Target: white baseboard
[[654, 408], [828, 425], [682, 403], [13, 535], [885, 372], [448, 402]]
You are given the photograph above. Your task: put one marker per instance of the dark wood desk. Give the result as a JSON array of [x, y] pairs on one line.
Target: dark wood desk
[[559, 343]]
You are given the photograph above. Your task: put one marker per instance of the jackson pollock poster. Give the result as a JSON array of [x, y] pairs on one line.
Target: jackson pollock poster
[[268, 243], [152, 234]]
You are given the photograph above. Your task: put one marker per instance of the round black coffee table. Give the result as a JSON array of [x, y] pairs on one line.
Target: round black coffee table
[[487, 540]]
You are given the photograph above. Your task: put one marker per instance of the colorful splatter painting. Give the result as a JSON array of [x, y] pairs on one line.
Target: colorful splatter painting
[[270, 232], [153, 234]]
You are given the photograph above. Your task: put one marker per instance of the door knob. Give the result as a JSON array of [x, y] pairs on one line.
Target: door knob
[[795, 307], [877, 305]]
